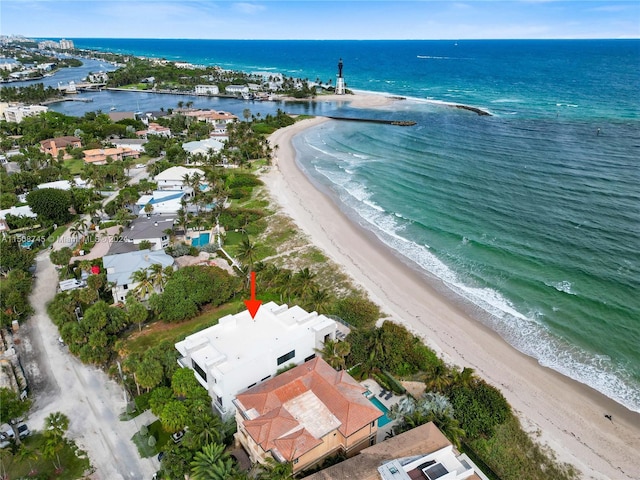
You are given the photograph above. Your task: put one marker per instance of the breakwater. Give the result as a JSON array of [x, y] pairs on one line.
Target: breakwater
[[401, 123]]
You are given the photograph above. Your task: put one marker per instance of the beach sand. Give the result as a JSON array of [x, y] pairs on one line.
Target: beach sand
[[567, 415], [357, 99]]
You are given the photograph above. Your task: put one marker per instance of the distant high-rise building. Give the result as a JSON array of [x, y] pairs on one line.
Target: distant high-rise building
[[66, 44]]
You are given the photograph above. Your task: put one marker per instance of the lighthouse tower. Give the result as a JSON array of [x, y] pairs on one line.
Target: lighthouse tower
[[340, 88]]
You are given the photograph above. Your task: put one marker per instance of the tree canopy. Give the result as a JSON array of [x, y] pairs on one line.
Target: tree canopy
[[51, 204]]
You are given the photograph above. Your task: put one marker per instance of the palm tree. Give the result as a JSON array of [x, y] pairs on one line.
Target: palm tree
[[211, 463], [273, 470], [303, 281], [56, 425], [204, 430], [440, 378], [318, 299], [78, 229], [335, 353], [465, 377], [247, 252], [144, 286], [157, 276]]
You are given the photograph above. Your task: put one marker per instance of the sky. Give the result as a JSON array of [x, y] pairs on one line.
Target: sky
[[321, 20]]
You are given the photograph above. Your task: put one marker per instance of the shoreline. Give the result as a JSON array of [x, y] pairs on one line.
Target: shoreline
[[569, 414]]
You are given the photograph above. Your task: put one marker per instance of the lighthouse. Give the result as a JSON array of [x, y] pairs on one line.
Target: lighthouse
[[340, 88]]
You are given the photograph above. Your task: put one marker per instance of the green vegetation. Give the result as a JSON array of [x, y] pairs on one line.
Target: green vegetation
[[36, 93], [191, 287], [51, 204], [31, 461]]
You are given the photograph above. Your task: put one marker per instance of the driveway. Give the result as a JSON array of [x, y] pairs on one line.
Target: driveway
[[59, 382]]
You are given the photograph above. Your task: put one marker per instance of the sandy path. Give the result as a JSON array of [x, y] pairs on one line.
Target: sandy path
[[570, 415], [59, 382]]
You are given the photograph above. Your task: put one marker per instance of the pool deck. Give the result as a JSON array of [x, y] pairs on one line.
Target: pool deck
[[375, 390]]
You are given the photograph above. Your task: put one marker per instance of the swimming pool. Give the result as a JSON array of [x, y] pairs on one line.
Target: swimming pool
[[201, 240], [382, 421]]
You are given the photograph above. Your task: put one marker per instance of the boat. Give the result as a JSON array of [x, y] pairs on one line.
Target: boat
[[112, 109]]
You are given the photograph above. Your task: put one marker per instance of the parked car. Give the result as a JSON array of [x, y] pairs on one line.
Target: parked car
[[23, 430], [6, 432]]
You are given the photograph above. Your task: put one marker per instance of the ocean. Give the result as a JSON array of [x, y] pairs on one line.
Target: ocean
[[530, 217]]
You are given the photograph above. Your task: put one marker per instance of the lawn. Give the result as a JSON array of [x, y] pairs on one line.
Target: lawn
[[74, 461], [174, 332], [75, 165], [142, 441]]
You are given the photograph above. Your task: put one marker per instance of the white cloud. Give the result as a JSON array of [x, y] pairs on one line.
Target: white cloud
[[249, 8]]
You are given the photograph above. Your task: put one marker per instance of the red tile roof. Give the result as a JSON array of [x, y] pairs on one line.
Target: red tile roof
[[272, 425]]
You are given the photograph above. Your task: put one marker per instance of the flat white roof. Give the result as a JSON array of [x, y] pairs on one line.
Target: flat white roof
[[238, 338]]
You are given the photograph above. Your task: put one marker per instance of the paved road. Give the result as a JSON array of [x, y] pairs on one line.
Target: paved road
[[58, 381]]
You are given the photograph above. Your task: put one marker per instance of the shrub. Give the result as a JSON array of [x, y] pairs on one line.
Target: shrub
[[144, 430], [394, 384], [152, 441], [357, 311], [479, 408]]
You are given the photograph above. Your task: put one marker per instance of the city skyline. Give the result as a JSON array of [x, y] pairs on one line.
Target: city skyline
[[322, 20]]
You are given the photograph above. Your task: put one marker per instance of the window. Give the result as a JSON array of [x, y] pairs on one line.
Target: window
[[310, 357], [199, 370], [265, 378], [250, 386], [125, 287], [286, 356], [295, 460]]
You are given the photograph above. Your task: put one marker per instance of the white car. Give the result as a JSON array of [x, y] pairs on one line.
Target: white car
[[140, 165], [23, 430]]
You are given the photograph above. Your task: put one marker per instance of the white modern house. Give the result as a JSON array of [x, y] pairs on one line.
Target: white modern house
[[173, 178], [237, 89], [203, 147], [16, 114], [241, 352], [207, 90], [120, 269]]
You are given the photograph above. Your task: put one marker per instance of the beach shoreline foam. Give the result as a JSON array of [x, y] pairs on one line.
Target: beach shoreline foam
[[569, 415]]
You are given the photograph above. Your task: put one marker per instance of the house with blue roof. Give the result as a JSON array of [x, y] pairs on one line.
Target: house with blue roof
[[162, 202], [120, 269]]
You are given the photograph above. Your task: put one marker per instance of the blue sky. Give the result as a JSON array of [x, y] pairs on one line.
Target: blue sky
[[328, 19]]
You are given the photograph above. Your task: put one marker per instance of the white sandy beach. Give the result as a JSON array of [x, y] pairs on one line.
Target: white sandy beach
[[569, 415]]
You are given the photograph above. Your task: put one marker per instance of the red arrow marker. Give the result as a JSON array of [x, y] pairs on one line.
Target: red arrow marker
[[253, 305]]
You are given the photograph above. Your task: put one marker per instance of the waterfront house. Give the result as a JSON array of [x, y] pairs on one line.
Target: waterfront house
[[173, 178], [16, 113], [202, 147], [305, 415], [207, 90], [166, 202], [241, 352], [420, 453], [155, 129], [238, 90], [152, 229]]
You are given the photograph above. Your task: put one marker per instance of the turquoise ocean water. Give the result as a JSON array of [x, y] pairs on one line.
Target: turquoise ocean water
[[531, 217]]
